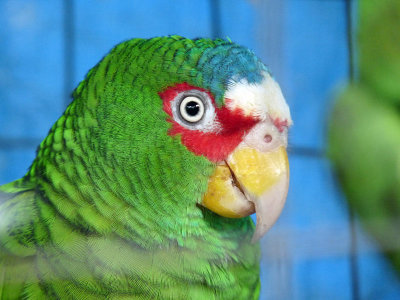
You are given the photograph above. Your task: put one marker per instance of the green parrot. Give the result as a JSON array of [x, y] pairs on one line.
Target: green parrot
[[144, 186], [364, 135]]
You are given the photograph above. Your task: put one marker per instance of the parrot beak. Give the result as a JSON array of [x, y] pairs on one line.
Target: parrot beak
[[250, 181]]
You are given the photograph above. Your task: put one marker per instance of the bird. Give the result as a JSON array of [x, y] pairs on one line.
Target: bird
[[364, 129], [144, 187]]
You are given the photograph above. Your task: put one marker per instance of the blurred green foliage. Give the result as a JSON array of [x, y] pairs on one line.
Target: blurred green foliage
[[364, 131], [379, 47]]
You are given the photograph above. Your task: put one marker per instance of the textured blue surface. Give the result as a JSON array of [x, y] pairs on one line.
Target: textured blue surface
[[238, 19], [377, 280], [31, 65], [15, 163], [307, 254], [102, 24], [312, 235], [315, 55]]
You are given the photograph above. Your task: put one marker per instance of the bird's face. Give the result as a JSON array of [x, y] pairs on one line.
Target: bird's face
[[246, 139], [195, 122]]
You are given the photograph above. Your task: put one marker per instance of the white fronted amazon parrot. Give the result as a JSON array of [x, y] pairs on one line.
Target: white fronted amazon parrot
[[144, 186]]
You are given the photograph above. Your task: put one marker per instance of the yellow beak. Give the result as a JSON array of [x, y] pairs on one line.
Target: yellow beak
[[250, 181]]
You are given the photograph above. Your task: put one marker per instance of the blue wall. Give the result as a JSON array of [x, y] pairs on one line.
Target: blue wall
[[48, 46]]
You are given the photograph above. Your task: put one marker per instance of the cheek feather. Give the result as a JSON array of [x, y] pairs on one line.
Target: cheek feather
[[216, 146], [234, 119]]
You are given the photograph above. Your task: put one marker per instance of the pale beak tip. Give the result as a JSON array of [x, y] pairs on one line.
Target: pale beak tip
[[269, 206], [259, 232]]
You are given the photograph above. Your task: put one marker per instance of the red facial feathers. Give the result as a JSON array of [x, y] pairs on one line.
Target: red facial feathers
[[216, 146], [280, 124]]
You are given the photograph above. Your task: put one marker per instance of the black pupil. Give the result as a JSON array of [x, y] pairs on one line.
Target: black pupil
[[192, 108]]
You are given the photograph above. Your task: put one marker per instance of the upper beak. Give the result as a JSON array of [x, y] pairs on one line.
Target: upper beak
[[250, 180]]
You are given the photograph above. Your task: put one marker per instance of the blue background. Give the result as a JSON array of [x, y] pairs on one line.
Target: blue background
[[48, 46]]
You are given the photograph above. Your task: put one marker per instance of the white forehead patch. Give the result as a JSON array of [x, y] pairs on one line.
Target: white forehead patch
[[260, 100]]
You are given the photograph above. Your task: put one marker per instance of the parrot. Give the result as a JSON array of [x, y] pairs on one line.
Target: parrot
[[364, 129], [145, 186]]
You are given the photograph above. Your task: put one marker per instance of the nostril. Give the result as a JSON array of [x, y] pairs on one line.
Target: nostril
[[268, 138]]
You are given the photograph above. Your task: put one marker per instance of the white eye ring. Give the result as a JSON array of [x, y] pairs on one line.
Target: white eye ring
[[198, 115], [191, 109]]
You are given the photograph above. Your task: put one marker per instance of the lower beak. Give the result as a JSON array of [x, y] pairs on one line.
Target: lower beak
[[250, 181]]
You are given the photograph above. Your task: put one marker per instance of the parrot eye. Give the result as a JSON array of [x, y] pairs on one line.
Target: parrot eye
[[194, 110], [191, 109]]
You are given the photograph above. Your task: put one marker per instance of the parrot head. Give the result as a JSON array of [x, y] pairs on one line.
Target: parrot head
[[178, 128], [245, 137], [238, 119]]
